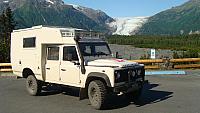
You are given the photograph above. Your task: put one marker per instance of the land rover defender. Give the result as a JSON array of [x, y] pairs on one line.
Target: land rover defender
[[73, 57]]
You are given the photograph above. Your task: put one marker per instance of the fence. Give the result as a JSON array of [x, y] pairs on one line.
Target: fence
[[149, 64], [187, 60]]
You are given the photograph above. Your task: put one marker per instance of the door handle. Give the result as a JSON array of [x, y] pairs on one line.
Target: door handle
[[48, 68], [63, 69]]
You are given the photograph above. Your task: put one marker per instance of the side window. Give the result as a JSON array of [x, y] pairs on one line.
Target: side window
[[69, 53], [53, 53], [29, 42]]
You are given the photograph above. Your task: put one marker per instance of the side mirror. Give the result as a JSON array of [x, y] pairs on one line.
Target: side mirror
[[76, 63]]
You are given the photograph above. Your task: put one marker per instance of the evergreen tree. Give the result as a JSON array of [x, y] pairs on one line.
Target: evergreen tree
[[7, 25]]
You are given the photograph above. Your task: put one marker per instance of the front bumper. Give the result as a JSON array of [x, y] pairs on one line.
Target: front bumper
[[126, 87]]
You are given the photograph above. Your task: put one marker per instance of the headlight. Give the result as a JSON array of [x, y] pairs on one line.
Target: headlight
[[117, 75], [133, 74], [130, 72]]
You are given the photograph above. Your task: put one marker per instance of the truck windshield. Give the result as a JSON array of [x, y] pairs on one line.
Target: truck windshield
[[94, 49]]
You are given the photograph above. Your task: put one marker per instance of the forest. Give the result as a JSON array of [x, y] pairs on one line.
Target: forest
[[188, 44], [182, 42]]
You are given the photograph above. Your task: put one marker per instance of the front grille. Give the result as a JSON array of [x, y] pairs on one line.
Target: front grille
[[126, 75]]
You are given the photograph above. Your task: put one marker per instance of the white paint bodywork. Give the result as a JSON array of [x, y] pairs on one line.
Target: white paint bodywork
[[111, 62]]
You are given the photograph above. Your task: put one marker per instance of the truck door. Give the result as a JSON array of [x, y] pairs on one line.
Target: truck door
[[70, 66], [53, 63]]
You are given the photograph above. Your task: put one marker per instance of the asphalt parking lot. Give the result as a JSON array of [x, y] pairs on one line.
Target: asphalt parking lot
[[163, 94]]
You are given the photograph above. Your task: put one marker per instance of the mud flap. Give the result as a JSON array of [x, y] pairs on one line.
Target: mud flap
[[83, 94]]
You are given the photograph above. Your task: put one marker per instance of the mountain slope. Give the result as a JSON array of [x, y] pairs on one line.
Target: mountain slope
[[29, 13], [96, 15], [127, 25], [177, 20]]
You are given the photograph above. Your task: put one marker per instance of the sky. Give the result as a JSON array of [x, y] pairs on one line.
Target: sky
[[128, 8]]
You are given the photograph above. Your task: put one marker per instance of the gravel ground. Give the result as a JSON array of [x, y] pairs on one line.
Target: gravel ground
[[130, 52]]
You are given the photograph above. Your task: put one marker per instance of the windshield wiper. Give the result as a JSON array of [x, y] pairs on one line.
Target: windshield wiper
[[101, 53]]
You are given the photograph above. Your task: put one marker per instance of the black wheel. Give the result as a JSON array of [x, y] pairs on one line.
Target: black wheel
[[97, 94], [134, 95], [33, 86]]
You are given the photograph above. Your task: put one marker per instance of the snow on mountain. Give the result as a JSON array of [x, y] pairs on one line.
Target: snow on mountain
[[50, 1], [6, 1], [98, 16], [54, 2], [84, 9], [127, 25], [74, 5], [77, 7]]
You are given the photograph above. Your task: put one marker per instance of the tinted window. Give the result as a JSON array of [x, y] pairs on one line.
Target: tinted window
[[69, 53], [53, 53], [29, 42]]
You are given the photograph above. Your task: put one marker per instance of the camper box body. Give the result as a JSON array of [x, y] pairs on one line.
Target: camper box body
[[34, 56]]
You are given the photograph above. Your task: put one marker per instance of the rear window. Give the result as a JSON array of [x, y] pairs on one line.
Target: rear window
[[29, 42]]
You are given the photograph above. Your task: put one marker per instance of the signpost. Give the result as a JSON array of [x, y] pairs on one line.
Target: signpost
[[153, 54]]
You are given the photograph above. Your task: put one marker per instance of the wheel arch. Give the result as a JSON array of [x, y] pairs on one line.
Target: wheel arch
[[91, 77], [26, 72], [98, 76]]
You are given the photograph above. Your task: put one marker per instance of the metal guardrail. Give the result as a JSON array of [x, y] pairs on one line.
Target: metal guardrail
[[149, 64], [148, 61], [5, 67], [185, 60], [170, 63]]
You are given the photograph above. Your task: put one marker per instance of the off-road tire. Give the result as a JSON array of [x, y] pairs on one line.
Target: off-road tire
[[97, 94], [33, 86]]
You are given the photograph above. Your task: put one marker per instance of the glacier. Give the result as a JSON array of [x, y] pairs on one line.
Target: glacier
[[127, 25]]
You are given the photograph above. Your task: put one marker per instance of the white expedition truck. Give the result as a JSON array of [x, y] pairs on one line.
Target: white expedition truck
[[73, 57]]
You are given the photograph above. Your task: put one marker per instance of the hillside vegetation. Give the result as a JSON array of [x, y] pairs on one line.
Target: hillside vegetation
[[182, 19], [186, 42], [28, 13]]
